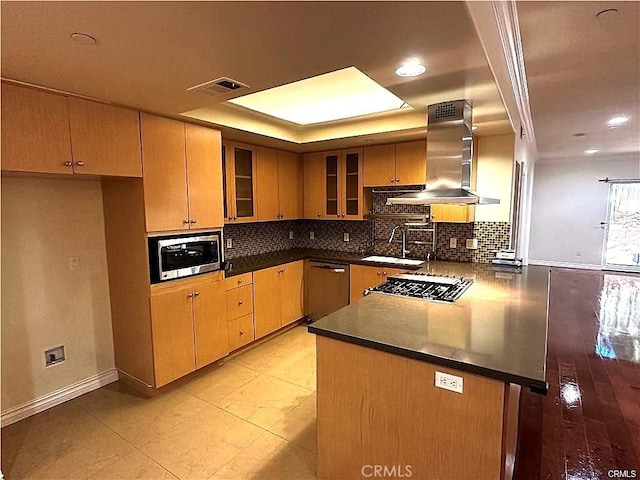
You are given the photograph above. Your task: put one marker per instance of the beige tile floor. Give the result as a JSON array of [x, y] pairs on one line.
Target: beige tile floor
[[252, 418]]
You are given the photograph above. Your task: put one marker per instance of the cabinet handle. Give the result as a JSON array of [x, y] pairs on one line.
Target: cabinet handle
[[80, 163], [193, 221], [384, 273], [319, 214], [68, 164], [186, 222], [343, 215], [196, 294], [241, 332], [392, 180], [378, 273], [397, 180], [240, 302], [240, 281], [235, 218], [190, 295]]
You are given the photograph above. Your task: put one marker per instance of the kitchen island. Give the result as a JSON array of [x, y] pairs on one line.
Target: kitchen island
[[379, 410]]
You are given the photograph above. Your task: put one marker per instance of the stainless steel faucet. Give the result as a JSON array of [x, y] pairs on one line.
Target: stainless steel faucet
[[404, 239]]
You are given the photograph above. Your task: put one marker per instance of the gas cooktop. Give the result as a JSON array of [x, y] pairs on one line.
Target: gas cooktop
[[424, 285]]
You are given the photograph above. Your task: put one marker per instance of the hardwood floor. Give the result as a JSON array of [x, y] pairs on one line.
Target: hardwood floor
[[589, 423]]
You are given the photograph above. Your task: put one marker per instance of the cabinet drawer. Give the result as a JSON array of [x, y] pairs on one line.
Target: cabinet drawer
[[240, 332], [239, 302], [239, 280]]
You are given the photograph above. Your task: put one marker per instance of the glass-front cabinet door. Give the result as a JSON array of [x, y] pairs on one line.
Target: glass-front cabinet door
[[332, 168], [352, 184], [240, 187]]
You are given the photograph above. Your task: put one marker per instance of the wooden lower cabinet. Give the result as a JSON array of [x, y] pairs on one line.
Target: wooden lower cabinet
[[189, 328], [240, 331], [278, 297], [362, 277]]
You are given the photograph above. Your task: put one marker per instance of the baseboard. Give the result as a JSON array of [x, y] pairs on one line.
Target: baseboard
[[580, 266], [52, 399]]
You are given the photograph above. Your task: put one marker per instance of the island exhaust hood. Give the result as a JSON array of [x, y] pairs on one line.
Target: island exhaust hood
[[449, 153]]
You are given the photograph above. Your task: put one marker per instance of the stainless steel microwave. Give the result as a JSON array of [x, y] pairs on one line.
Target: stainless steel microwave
[[178, 256]]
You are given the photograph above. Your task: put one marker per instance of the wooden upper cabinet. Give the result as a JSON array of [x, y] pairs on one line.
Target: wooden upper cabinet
[[411, 163], [452, 213], [314, 185], [351, 188], [240, 174], [290, 185], [332, 173], [105, 140], [379, 165], [165, 175], [210, 322], [204, 174], [267, 204], [35, 131], [172, 331]]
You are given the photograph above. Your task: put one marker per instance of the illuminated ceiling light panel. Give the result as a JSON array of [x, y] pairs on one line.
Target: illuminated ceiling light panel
[[338, 95]]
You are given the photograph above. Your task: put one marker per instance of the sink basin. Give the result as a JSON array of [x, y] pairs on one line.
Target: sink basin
[[392, 260]]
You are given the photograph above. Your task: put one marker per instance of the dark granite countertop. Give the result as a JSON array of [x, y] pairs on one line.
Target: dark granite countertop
[[238, 266], [497, 329]]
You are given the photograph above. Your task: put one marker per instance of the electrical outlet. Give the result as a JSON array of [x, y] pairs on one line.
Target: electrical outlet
[[291, 235], [448, 382], [229, 243], [54, 356], [346, 237], [312, 236], [472, 243], [74, 263], [453, 243]]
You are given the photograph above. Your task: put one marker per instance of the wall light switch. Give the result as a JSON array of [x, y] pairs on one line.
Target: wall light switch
[[472, 243], [229, 243], [291, 235], [312, 236], [346, 237], [453, 243], [449, 382]]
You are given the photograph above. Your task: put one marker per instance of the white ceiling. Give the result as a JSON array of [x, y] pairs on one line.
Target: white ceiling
[[582, 71], [149, 53]]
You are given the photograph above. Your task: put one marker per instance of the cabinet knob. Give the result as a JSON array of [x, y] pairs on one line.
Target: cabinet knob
[[235, 218], [343, 215], [241, 332], [240, 302], [378, 273], [190, 295], [384, 273], [196, 294], [186, 222], [397, 180], [319, 214], [391, 180], [193, 221], [240, 281], [68, 164], [80, 163]]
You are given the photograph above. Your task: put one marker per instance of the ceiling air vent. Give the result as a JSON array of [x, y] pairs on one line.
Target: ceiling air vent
[[219, 86]]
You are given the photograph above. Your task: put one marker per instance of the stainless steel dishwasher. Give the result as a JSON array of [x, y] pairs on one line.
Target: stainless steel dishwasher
[[327, 288]]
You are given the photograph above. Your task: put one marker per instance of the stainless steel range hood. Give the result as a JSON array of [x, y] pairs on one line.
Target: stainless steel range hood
[[449, 155]]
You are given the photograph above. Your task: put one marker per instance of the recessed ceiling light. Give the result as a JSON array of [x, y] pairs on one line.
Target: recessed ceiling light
[[345, 93], [618, 120], [410, 69], [591, 151], [580, 135], [83, 39], [474, 127]]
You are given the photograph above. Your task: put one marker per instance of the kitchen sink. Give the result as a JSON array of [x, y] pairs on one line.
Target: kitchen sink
[[392, 260]]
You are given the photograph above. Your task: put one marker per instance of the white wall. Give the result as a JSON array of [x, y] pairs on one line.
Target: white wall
[[568, 205], [44, 303]]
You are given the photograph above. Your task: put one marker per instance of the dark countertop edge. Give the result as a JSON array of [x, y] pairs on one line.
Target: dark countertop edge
[[536, 386], [296, 256]]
